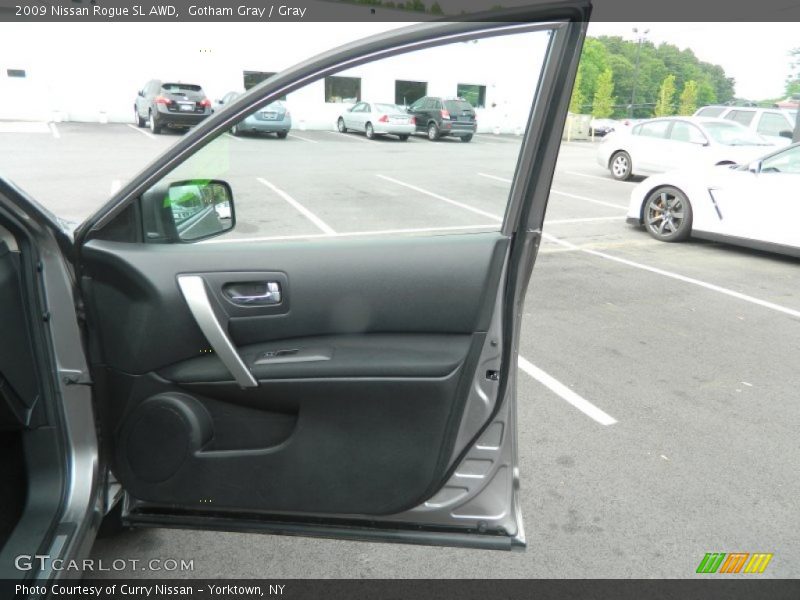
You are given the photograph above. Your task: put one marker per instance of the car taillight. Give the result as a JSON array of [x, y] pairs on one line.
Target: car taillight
[[413, 120], [445, 114], [383, 119], [162, 100], [205, 102]]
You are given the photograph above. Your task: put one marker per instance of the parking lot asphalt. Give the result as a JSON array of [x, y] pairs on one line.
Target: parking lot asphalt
[[674, 430]]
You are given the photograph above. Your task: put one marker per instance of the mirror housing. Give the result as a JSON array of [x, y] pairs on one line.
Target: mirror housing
[[141, 93], [187, 211]]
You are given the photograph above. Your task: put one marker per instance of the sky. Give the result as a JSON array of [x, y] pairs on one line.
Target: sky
[[756, 55]]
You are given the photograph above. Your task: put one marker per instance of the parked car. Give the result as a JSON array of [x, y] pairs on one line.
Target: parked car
[[376, 118], [156, 383], [273, 118], [602, 127], [774, 124], [750, 205], [438, 117], [176, 105], [659, 145]]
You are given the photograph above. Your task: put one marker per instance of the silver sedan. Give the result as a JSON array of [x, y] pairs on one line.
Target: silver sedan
[[377, 119]]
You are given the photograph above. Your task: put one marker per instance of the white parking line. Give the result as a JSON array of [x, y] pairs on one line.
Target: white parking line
[[679, 277], [552, 191], [142, 131], [292, 135], [608, 179], [558, 388], [233, 137], [477, 211], [490, 226], [582, 220], [327, 229], [349, 136], [587, 199], [54, 131]]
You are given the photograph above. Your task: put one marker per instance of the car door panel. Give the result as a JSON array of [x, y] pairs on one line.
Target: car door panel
[[387, 365], [361, 418]]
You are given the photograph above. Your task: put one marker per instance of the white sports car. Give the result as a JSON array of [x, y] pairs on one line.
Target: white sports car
[[755, 205]]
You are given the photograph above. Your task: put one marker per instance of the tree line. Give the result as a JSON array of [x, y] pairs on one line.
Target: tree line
[[668, 81]]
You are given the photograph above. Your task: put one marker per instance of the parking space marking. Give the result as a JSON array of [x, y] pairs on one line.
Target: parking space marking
[[305, 139], [582, 220], [552, 191], [54, 131], [477, 211], [233, 137], [490, 227], [561, 390], [709, 286], [327, 229], [348, 136], [597, 177], [142, 131]]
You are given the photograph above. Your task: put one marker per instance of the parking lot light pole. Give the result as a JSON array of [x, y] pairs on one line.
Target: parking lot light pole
[[640, 40]]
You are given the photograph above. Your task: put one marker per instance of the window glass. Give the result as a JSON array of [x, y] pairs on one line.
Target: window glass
[[474, 94], [408, 92], [686, 132], [180, 88], [15, 72], [744, 117], [654, 129], [773, 124], [342, 89], [253, 78], [710, 111], [731, 134], [787, 161], [316, 181]]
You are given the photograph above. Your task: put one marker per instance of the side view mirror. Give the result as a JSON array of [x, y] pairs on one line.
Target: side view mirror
[[754, 167], [200, 208], [141, 93], [218, 102], [786, 134]]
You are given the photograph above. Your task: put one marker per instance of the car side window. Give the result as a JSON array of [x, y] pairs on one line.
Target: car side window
[[787, 161], [743, 117], [710, 111], [773, 124], [686, 132], [365, 107], [655, 129], [318, 182]]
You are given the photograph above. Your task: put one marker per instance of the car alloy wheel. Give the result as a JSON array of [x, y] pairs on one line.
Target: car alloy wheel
[[369, 131], [621, 166], [668, 215], [340, 125], [433, 132]]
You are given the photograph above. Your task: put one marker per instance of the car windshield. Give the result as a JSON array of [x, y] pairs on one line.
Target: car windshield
[[180, 88], [457, 105], [731, 134], [388, 108]]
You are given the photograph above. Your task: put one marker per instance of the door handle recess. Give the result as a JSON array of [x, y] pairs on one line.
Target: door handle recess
[[254, 293], [194, 292]]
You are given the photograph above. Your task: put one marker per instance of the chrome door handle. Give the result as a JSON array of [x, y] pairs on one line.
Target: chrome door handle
[[240, 293]]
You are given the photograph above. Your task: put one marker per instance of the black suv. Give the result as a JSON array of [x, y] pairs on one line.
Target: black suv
[[437, 117], [178, 105]]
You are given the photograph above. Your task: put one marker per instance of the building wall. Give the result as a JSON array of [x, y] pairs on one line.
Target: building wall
[[92, 71]]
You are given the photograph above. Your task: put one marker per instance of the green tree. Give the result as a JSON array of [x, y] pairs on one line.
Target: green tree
[[793, 80], [436, 9], [688, 98], [603, 104], [664, 106], [577, 100]]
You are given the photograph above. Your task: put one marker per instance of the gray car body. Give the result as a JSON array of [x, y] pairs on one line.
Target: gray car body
[[273, 118], [64, 522]]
